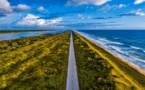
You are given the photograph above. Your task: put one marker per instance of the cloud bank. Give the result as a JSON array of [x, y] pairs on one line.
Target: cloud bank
[[32, 20], [133, 13], [5, 7], [21, 7], [139, 1], [82, 2], [40, 8]]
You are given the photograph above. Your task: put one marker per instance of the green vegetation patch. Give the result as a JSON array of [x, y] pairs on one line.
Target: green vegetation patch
[[41, 64], [93, 71], [11, 45]]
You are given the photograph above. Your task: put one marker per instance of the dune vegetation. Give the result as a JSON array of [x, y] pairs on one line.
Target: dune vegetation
[[98, 69], [93, 71], [34, 63]]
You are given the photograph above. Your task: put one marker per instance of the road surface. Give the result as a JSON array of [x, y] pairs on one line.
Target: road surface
[[72, 77]]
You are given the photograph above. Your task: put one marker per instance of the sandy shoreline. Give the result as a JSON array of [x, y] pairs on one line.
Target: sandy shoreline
[[133, 74], [125, 61]]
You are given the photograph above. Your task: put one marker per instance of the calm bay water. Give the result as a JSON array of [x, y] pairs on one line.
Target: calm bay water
[[126, 44], [25, 34]]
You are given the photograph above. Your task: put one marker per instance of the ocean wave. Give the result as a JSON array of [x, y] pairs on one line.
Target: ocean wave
[[138, 48], [113, 47], [139, 60], [109, 41], [117, 49], [102, 39], [134, 47], [119, 43]]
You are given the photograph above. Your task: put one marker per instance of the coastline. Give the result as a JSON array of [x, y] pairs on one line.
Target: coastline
[[18, 31], [125, 61], [121, 43], [120, 64]]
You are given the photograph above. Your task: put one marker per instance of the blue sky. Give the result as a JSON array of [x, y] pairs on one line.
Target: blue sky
[[72, 14]]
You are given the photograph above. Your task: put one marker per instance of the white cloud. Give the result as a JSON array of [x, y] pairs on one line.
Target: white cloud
[[32, 20], [109, 7], [139, 1], [21, 7], [140, 13], [106, 7], [10, 18], [81, 16], [40, 8], [82, 2], [5, 7], [134, 13], [89, 17], [121, 6]]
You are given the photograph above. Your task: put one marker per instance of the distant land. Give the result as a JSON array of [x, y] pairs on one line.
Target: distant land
[[17, 31]]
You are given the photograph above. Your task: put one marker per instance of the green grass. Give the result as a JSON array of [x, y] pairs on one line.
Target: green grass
[[125, 76], [35, 63]]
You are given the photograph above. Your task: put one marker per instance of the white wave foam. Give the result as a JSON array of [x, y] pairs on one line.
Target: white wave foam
[[137, 48], [119, 43], [134, 47], [103, 39], [116, 50], [139, 59], [108, 41]]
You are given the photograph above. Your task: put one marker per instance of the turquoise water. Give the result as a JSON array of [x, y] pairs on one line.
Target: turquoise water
[[126, 44]]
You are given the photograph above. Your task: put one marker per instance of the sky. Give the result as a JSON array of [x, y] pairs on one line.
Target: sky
[[72, 14]]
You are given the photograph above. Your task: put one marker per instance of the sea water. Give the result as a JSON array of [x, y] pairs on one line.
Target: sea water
[[126, 44]]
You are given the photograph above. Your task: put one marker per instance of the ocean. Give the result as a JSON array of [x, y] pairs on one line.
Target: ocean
[[126, 44]]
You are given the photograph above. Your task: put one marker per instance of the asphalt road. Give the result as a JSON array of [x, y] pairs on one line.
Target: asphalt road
[[72, 77]]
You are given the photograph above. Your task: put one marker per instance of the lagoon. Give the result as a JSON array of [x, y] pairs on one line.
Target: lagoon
[[9, 36]]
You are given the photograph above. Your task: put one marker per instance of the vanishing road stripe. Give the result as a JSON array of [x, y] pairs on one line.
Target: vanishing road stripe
[[72, 77]]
